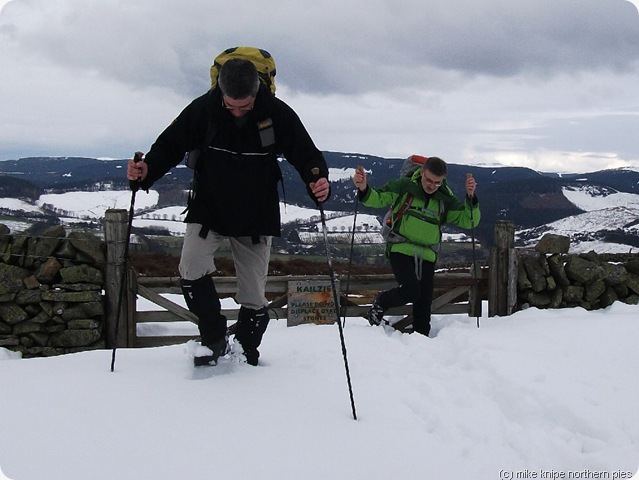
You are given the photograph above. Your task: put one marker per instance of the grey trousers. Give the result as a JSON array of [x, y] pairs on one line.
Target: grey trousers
[[251, 262]]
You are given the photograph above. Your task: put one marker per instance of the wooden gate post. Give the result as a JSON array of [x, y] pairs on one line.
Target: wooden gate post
[[115, 230], [502, 295]]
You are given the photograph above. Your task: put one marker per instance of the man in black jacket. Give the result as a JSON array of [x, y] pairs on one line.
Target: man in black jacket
[[239, 128]]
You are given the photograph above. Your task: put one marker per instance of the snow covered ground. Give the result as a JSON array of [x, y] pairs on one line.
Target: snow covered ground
[[539, 394]]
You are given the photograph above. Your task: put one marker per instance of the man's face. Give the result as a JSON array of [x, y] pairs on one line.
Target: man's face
[[238, 107], [431, 182]]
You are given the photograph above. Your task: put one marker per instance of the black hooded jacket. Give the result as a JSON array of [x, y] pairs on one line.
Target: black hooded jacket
[[236, 191]]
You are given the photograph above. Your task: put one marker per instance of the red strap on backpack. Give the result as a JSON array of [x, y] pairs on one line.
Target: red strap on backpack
[[390, 221], [405, 206]]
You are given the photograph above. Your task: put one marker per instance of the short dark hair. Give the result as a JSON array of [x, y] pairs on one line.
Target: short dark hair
[[238, 78], [436, 166]]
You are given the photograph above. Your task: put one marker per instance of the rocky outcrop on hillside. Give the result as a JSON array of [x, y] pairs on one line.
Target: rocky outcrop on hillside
[[51, 292], [549, 277]]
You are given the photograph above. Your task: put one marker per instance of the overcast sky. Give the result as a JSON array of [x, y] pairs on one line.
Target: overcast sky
[[549, 84]]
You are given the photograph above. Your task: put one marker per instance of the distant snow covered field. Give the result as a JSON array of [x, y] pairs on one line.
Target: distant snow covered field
[[590, 199], [94, 204], [17, 205], [604, 209]]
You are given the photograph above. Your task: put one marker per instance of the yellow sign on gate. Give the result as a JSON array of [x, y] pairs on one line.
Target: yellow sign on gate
[[311, 301]]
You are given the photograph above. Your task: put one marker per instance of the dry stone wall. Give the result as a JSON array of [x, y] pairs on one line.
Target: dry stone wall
[[550, 277], [51, 292]]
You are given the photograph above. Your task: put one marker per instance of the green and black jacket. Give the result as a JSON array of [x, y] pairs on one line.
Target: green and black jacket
[[420, 225]]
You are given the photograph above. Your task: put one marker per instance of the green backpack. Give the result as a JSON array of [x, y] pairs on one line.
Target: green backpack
[[263, 61]]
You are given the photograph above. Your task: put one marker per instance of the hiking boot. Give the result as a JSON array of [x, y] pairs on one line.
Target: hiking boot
[[375, 314], [249, 356], [209, 354], [252, 356], [250, 327]]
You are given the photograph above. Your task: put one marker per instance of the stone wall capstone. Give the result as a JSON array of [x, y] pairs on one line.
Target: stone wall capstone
[[550, 277], [51, 292]]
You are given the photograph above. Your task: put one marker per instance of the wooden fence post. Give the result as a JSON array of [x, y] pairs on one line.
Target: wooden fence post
[[502, 295], [115, 229]]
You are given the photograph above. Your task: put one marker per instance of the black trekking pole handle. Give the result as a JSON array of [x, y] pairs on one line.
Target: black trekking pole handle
[[315, 171], [135, 186]]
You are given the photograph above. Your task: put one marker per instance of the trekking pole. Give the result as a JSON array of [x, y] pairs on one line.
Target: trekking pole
[[135, 186], [350, 256], [472, 238], [315, 172]]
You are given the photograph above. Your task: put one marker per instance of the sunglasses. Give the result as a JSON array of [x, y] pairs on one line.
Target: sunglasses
[[430, 181]]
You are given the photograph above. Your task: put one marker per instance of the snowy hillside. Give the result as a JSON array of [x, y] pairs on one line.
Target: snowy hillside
[[605, 210], [590, 198], [72, 207], [92, 205], [18, 205], [18, 208]]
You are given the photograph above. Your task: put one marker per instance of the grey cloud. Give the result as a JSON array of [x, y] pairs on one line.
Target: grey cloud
[[475, 81], [605, 132], [504, 38], [415, 42], [360, 47]]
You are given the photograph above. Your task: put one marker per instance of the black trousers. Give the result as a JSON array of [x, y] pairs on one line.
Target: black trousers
[[415, 278]]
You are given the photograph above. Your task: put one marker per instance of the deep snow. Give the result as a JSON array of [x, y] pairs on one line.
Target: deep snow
[[538, 393]]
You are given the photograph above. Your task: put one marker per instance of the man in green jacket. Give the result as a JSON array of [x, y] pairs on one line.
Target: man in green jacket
[[421, 204]]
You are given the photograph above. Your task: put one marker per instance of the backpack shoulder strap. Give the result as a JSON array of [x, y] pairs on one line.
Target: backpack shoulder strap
[[191, 159], [405, 206], [391, 219]]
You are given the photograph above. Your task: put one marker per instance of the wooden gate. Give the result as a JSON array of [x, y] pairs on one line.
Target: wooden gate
[[455, 293]]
